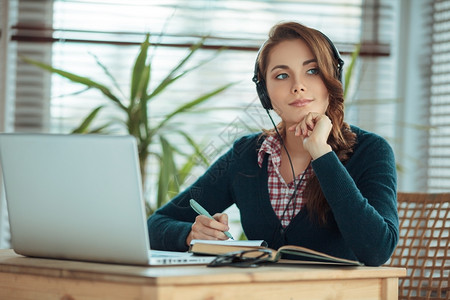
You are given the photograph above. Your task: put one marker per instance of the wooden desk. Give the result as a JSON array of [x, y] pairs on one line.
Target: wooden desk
[[32, 278]]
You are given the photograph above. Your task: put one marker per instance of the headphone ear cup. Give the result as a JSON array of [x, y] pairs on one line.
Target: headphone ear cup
[[263, 94]]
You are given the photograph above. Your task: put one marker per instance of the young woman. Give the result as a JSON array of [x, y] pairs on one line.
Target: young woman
[[312, 181]]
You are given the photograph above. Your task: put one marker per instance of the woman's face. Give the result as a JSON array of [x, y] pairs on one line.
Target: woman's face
[[293, 81]]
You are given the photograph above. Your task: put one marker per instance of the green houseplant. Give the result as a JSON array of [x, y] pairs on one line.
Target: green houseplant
[[136, 115]]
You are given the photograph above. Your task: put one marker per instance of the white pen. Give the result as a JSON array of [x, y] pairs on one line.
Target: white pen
[[201, 211]]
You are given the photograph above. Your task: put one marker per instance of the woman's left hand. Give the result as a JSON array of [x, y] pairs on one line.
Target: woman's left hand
[[315, 129]]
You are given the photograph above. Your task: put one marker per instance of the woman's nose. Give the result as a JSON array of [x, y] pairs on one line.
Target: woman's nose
[[298, 87]]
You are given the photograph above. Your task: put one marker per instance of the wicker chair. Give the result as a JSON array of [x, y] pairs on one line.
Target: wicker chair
[[423, 246]]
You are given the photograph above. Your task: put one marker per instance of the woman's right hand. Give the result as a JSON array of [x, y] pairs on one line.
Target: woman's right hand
[[205, 228]]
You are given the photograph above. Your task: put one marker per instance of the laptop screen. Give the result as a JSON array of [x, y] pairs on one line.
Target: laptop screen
[[75, 197]]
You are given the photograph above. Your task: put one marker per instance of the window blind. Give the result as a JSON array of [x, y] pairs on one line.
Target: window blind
[[438, 87], [371, 102], [117, 27], [31, 92]]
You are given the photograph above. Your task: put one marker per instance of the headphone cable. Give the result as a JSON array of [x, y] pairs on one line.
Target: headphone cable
[[282, 143], [296, 184]]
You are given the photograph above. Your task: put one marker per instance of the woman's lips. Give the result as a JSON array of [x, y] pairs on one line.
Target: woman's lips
[[300, 103]]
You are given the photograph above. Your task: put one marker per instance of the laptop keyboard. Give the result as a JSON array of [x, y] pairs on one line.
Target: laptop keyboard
[[159, 253]]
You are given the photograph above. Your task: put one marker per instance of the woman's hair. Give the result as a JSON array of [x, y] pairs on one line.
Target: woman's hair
[[341, 138]]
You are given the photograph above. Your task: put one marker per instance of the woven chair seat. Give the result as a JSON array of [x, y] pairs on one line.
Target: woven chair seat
[[423, 247]]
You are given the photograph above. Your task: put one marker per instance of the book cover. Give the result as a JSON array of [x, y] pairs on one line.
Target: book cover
[[304, 255]]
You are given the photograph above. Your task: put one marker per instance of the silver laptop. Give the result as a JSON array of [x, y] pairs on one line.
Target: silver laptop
[[79, 197]]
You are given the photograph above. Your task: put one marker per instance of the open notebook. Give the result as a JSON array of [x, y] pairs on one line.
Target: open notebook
[[79, 197]]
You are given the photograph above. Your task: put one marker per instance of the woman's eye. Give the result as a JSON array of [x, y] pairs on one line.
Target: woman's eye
[[282, 76], [313, 71]]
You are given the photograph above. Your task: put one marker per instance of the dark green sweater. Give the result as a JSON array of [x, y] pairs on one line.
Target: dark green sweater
[[362, 225]]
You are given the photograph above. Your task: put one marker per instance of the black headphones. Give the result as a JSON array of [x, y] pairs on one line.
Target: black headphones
[[261, 88]]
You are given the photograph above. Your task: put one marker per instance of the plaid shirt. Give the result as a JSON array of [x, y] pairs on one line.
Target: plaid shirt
[[279, 191]]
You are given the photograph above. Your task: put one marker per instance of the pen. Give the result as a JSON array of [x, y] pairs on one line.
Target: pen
[[201, 211]]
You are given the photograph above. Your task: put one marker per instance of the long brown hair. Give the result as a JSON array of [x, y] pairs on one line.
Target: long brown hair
[[341, 138]]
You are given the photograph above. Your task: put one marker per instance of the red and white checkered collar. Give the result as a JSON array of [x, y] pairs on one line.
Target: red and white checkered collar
[[272, 146]]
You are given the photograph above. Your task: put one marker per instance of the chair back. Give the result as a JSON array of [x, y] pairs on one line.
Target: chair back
[[423, 247]]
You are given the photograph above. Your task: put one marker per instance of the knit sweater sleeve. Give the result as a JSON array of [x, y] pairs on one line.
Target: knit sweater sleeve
[[170, 225], [362, 198]]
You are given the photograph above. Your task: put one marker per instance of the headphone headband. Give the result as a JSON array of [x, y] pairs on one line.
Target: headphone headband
[[337, 56], [261, 88]]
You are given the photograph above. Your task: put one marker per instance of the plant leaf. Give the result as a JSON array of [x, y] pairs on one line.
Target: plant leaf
[[144, 101], [166, 172], [138, 69], [100, 129], [349, 70], [83, 128], [181, 176], [192, 104], [108, 74], [170, 78], [76, 78], [167, 81], [74, 93], [197, 151]]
